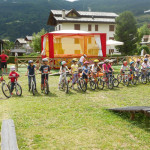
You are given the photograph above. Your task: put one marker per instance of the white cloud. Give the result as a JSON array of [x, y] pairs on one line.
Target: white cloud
[[72, 0]]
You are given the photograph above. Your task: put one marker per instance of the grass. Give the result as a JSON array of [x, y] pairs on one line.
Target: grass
[[77, 120]]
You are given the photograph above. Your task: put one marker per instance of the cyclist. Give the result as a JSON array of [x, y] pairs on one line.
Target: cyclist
[[13, 77], [107, 69], [145, 66], [132, 68], [45, 70], [95, 68], [124, 67], [85, 71], [137, 66], [62, 72], [31, 69], [74, 72], [82, 59]]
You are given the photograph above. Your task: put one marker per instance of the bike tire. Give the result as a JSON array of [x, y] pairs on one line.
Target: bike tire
[[46, 88], [92, 85], [126, 82], [66, 88], [116, 82], [33, 89], [110, 84], [17, 88], [100, 84], [83, 85], [119, 78], [4, 88], [144, 79]]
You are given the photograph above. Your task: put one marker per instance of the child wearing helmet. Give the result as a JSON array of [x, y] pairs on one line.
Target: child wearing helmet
[[31, 69], [85, 70], [44, 70], [82, 59], [13, 77], [62, 72], [137, 66], [145, 66], [132, 68], [74, 72], [124, 67]]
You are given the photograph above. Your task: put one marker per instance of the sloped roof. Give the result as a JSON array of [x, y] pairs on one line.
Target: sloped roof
[[21, 41], [55, 17], [18, 51], [29, 38]]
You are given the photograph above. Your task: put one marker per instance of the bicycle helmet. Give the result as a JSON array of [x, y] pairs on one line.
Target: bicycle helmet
[[96, 61], [30, 61], [84, 55], [63, 63], [145, 59], [86, 62], [125, 63], [106, 61], [45, 60], [12, 68], [132, 62], [138, 60], [74, 60]]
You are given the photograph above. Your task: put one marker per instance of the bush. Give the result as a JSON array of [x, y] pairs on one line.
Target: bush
[[145, 47]]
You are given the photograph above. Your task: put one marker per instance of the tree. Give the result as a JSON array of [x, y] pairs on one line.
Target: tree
[[126, 31], [36, 42], [143, 30], [145, 47]]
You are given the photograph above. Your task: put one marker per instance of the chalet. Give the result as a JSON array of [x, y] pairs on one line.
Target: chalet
[[94, 22], [28, 38], [146, 40], [20, 43]]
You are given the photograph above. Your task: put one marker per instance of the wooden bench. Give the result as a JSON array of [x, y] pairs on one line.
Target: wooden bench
[[8, 136]]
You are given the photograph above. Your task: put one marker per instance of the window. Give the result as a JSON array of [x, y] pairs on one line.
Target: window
[[111, 51], [77, 52], [76, 41], [89, 40], [89, 27], [96, 27], [111, 38], [77, 26], [111, 28]]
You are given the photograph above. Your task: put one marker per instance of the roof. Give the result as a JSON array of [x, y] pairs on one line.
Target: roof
[[71, 31], [21, 41], [55, 17], [18, 51], [29, 38]]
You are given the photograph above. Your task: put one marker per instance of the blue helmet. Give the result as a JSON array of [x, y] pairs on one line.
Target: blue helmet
[[30, 61], [145, 59], [132, 62]]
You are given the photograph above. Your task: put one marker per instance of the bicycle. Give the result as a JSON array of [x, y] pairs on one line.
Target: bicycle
[[17, 86], [46, 85], [132, 78], [5, 88], [64, 85], [32, 84], [109, 81], [145, 76]]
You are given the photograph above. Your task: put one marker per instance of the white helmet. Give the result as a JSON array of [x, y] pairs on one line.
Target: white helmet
[[44, 59], [106, 61], [12, 68], [63, 63]]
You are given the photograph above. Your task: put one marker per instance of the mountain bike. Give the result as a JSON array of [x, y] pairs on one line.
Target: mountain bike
[[46, 85], [109, 80], [5, 87], [32, 84], [64, 85]]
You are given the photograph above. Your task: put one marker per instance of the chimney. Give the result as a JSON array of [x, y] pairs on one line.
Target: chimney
[[63, 14]]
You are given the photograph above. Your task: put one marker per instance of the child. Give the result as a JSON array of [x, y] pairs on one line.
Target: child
[[62, 72], [145, 66], [95, 68], [82, 59], [132, 68], [74, 72], [45, 70], [124, 67], [137, 66], [31, 69], [85, 71], [13, 76]]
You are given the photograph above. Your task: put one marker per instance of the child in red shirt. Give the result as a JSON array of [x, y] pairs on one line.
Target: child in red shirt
[[13, 76]]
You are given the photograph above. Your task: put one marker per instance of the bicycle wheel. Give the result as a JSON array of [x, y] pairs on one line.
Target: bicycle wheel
[[46, 88], [33, 88], [92, 85], [126, 81], [110, 83], [116, 82], [134, 81], [66, 87], [144, 79], [18, 89], [6, 90], [100, 84], [119, 78], [83, 85]]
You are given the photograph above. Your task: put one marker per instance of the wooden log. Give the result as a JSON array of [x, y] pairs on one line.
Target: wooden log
[[8, 136]]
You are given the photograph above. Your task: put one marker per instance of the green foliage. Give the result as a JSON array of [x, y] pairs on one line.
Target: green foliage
[[36, 42], [145, 47], [143, 30], [9, 45], [126, 31]]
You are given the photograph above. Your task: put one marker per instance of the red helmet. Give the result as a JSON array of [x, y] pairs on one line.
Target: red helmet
[[86, 62], [125, 63]]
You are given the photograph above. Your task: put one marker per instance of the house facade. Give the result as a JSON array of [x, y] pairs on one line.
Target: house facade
[[94, 22], [146, 40], [20, 43]]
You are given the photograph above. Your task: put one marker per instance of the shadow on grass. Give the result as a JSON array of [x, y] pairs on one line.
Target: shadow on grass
[[141, 121]]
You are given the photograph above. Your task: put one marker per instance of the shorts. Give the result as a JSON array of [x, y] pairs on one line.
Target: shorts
[[43, 78], [3, 64], [84, 76], [75, 78]]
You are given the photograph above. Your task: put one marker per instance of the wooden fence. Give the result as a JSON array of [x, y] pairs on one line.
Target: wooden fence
[[55, 62]]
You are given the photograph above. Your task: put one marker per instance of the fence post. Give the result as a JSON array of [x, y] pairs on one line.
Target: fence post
[[16, 63]]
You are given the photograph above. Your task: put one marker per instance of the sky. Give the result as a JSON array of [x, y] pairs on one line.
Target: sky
[[71, 0]]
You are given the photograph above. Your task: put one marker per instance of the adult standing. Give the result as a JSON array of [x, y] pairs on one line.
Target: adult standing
[[82, 59], [4, 59]]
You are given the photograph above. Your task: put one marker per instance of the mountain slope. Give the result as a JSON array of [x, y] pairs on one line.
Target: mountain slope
[[23, 17]]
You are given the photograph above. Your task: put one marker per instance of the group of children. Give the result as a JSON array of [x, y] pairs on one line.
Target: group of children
[[87, 69]]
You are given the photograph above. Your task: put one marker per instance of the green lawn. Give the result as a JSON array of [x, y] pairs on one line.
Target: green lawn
[[77, 121]]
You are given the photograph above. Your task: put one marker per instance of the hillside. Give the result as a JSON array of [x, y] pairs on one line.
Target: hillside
[[23, 17]]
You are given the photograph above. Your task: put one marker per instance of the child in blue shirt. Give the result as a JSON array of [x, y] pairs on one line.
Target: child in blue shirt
[[85, 71]]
